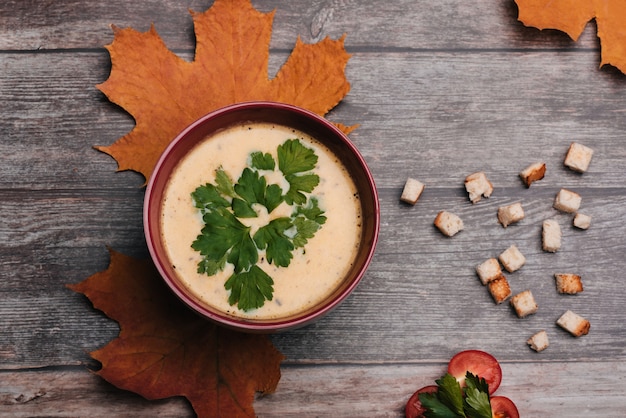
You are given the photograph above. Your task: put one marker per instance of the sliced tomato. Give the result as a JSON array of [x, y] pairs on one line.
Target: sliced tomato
[[413, 408], [503, 407], [480, 364]]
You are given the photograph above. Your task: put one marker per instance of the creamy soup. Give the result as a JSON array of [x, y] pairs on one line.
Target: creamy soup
[[316, 269]]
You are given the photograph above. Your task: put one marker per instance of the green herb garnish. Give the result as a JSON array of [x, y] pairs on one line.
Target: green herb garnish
[[452, 401], [225, 239]]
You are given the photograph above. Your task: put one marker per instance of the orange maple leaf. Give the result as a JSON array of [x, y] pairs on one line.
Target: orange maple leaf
[[571, 17], [164, 349], [165, 93]]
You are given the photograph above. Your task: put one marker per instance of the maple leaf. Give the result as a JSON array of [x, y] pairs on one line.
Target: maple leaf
[[164, 349], [165, 93], [571, 17]]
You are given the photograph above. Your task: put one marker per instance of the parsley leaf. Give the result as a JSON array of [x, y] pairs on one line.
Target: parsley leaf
[[294, 161], [252, 188], [477, 402], [450, 401], [293, 157], [434, 407], [450, 393], [250, 289], [297, 185], [208, 197], [224, 183], [225, 239], [262, 161], [272, 238], [308, 219]]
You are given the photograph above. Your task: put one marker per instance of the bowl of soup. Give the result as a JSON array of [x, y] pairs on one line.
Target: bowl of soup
[[261, 216]]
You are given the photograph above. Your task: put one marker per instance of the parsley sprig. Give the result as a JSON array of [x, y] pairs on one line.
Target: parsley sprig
[[452, 401], [225, 239]]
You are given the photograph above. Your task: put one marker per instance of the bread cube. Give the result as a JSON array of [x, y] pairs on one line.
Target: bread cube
[[568, 283], [574, 323], [512, 259], [488, 270], [582, 221], [499, 289], [448, 223], [578, 157], [478, 186], [412, 191], [524, 304], [551, 235], [539, 341], [567, 201], [510, 214], [532, 173]]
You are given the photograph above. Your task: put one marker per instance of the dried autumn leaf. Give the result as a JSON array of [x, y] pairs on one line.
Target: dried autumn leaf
[[571, 17], [164, 350], [165, 93]]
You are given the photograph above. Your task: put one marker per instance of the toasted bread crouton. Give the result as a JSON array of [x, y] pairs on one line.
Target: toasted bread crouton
[[524, 304], [512, 259], [448, 223], [499, 289], [567, 201], [532, 173], [478, 186], [582, 221], [510, 214], [412, 191], [539, 341], [551, 235], [574, 323], [578, 157], [488, 270], [568, 283]]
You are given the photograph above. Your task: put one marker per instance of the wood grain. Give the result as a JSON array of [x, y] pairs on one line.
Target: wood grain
[[440, 90]]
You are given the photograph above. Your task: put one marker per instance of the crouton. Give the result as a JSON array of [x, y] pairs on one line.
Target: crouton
[[539, 341], [567, 201], [412, 191], [578, 157], [488, 270], [512, 259], [448, 223], [568, 283], [582, 221], [478, 186], [499, 289], [510, 214], [532, 173], [551, 235], [524, 304], [574, 323]]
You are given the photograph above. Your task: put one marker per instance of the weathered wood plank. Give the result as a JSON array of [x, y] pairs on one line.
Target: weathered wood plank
[[421, 111], [446, 24], [341, 390]]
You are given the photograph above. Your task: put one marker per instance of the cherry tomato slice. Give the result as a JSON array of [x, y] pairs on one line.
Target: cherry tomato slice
[[479, 363], [413, 408], [503, 407]]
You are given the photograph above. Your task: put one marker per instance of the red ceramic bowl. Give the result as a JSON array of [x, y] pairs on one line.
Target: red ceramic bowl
[[282, 114]]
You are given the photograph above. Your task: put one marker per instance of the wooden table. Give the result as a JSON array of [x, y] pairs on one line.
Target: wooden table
[[440, 89]]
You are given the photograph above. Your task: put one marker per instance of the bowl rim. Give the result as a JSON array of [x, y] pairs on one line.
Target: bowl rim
[[239, 323]]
